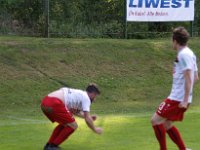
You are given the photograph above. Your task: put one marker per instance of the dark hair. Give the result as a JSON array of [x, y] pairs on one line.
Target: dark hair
[[181, 35], [92, 87]]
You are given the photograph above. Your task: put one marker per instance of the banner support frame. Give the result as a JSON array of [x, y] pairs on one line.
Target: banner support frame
[[191, 28], [125, 19]]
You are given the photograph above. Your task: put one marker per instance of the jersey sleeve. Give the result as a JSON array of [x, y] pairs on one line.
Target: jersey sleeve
[[186, 62], [86, 104]]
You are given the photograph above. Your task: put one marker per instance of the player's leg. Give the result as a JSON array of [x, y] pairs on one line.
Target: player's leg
[[159, 129], [66, 131], [55, 133], [60, 134], [60, 114], [47, 108], [174, 134], [66, 120], [59, 128]]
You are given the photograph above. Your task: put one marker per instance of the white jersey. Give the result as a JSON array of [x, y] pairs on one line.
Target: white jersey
[[185, 60], [76, 100]]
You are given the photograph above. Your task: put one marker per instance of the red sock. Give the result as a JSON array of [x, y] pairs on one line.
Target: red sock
[[160, 133], [63, 135], [176, 137], [55, 133]]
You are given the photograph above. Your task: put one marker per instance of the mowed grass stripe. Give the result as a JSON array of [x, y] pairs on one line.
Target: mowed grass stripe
[[120, 133], [14, 120]]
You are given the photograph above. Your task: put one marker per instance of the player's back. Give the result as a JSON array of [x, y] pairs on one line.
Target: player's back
[[76, 99]]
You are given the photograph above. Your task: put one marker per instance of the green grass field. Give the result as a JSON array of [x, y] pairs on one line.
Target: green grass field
[[134, 77], [121, 132]]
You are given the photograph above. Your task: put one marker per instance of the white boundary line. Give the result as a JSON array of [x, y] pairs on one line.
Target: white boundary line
[[21, 121]]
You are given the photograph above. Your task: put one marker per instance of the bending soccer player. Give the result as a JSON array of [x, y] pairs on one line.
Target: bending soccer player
[[173, 108], [59, 106]]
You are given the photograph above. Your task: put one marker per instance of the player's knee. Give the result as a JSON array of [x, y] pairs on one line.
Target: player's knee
[[153, 121], [167, 125], [73, 125]]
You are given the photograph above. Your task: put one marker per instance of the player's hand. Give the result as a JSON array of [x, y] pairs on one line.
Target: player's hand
[[183, 105], [98, 130], [94, 117]]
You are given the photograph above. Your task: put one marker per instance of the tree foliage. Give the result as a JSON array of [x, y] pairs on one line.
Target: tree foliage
[[98, 18]]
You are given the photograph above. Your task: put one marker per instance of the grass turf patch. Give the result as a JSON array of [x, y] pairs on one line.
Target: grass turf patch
[[133, 75], [121, 132]]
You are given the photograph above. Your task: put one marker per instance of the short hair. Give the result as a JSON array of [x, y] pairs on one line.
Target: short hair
[[92, 88], [181, 35]]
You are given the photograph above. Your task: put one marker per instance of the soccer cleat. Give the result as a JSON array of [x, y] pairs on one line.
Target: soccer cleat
[[188, 149], [53, 147], [46, 146]]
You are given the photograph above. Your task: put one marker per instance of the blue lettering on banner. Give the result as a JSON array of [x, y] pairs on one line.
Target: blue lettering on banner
[[187, 3], [160, 3], [165, 4], [140, 4], [152, 2], [176, 4]]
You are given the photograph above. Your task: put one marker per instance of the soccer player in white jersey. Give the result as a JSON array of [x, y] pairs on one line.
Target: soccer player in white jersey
[[60, 106], [185, 74]]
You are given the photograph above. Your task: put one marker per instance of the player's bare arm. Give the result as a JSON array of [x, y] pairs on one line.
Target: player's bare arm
[[81, 115], [89, 122], [188, 85], [196, 77], [94, 117]]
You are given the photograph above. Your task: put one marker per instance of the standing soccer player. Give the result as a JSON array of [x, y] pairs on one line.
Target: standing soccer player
[[173, 108], [59, 106]]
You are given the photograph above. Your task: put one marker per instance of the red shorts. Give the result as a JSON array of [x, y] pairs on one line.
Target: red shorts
[[169, 109], [56, 111]]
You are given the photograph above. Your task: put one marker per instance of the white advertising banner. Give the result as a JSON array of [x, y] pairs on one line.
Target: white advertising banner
[[160, 10]]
